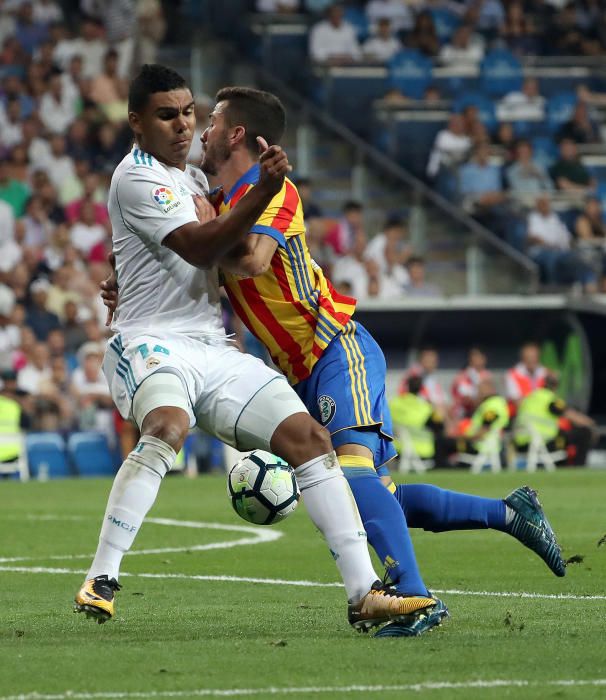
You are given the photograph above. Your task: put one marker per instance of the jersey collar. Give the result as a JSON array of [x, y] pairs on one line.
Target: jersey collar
[[250, 177]]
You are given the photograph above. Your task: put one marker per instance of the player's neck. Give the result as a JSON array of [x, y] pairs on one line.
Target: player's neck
[[233, 169]]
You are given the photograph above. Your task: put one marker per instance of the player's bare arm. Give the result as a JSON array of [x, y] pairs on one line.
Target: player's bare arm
[[203, 245]]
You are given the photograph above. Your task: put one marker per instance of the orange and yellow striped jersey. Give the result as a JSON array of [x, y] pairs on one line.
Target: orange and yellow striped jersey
[[292, 308]]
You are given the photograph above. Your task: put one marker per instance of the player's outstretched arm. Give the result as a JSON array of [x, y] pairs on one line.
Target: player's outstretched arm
[[203, 245]]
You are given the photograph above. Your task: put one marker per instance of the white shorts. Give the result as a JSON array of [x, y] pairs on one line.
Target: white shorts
[[219, 383]]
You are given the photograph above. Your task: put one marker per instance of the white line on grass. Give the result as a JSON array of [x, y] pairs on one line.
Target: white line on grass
[[259, 536], [318, 690], [303, 583]]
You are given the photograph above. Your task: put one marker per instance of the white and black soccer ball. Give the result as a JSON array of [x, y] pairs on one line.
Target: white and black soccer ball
[[262, 488]]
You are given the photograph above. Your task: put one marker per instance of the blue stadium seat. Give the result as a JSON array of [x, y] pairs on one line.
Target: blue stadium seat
[[46, 456], [601, 195], [357, 17], [445, 22], [486, 108], [500, 73], [559, 109], [544, 151], [90, 454], [410, 72]]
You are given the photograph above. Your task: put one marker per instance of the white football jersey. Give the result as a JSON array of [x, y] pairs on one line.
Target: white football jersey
[[158, 289]]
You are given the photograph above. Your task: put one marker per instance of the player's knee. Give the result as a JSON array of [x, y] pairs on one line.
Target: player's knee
[[168, 425], [300, 438]]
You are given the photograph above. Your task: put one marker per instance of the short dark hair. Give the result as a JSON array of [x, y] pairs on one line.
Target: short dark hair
[[415, 260], [352, 205], [259, 112], [152, 78], [415, 384]]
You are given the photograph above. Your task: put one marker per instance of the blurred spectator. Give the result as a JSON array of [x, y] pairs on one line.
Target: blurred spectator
[[489, 419], [549, 246], [423, 36], [465, 385], [60, 293], [107, 151], [55, 406], [524, 176], [567, 38], [505, 139], [90, 44], [11, 130], [86, 232], [527, 103], [334, 40], [38, 318], [92, 194], [580, 128], [465, 48], [527, 375], [12, 191], [38, 148], [474, 128], [47, 12], [152, 29], [19, 417], [19, 166], [542, 410], [59, 166], [37, 370], [398, 13], [486, 15], [450, 148], [91, 391], [589, 226], [37, 226], [425, 367], [310, 209], [75, 335], [569, 173], [340, 236], [350, 272], [119, 18], [57, 108], [383, 45], [480, 183], [29, 32], [10, 251], [518, 30], [77, 140], [277, 6], [10, 336], [389, 251], [417, 284], [109, 90]]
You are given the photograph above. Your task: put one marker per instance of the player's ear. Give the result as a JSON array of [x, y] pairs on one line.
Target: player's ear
[[134, 121], [238, 135]]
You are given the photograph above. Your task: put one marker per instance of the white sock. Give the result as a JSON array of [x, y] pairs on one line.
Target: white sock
[[333, 511], [134, 491]]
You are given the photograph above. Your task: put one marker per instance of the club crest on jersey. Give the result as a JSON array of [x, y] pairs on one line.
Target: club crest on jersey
[[165, 199], [327, 407]]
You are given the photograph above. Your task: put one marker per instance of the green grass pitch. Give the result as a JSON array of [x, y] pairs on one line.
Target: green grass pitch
[[179, 636]]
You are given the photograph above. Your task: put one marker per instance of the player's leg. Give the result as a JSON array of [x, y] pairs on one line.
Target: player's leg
[[520, 515], [161, 409], [259, 410]]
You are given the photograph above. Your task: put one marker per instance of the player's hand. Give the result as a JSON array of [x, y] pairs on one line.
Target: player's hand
[[274, 166], [109, 290], [204, 209]]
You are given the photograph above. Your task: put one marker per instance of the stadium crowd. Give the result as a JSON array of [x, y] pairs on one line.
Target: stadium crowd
[[474, 417], [63, 128]]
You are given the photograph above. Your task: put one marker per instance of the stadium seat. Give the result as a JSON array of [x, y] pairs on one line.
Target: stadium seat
[[544, 151], [410, 461], [559, 109], [445, 23], [500, 73], [410, 72], [486, 108], [90, 454], [46, 456], [538, 454], [489, 455], [18, 467], [357, 17]]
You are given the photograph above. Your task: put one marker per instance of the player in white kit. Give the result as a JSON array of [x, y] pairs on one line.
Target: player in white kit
[[170, 365]]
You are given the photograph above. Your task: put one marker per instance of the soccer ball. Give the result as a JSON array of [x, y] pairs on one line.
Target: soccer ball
[[262, 488]]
